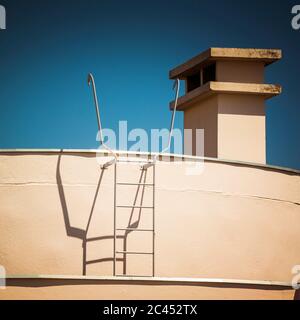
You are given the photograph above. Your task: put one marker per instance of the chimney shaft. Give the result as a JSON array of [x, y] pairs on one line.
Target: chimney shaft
[[225, 95]]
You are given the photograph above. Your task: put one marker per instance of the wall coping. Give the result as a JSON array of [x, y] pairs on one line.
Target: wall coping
[[166, 280], [162, 157]]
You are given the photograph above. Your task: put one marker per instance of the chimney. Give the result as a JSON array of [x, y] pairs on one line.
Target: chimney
[[225, 95]]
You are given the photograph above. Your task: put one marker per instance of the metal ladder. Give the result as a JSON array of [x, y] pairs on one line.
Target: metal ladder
[[144, 167]]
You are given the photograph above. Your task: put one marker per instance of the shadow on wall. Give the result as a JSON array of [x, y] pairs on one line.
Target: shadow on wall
[[36, 283], [83, 233]]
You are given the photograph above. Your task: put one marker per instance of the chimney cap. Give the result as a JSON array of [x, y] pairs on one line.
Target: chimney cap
[[264, 90], [267, 56]]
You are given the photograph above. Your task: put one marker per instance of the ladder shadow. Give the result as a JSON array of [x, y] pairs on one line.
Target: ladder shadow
[[82, 234], [75, 232], [100, 260], [70, 230]]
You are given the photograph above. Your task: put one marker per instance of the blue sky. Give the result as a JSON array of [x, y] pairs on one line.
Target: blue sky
[[50, 46]]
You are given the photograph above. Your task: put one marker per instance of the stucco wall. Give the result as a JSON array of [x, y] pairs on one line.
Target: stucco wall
[[234, 126], [203, 115], [242, 128], [232, 221]]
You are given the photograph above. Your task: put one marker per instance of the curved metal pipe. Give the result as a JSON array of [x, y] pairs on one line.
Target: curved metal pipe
[[177, 87], [91, 80]]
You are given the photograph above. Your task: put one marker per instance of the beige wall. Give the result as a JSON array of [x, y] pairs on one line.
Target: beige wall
[[234, 127], [232, 221], [203, 115], [242, 128], [240, 71]]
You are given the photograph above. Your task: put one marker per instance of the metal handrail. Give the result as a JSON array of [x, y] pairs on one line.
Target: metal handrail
[[177, 87], [92, 80]]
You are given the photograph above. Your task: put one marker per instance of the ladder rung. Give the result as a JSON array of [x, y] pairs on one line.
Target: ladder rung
[[134, 252], [135, 207], [132, 276], [134, 184], [135, 161], [134, 229]]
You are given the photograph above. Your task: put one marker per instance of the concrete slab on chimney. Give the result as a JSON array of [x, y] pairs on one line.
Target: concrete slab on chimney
[[267, 56], [213, 87]]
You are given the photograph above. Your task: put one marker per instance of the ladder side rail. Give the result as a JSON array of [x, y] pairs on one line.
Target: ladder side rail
[[153, 223], [115, 219]]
